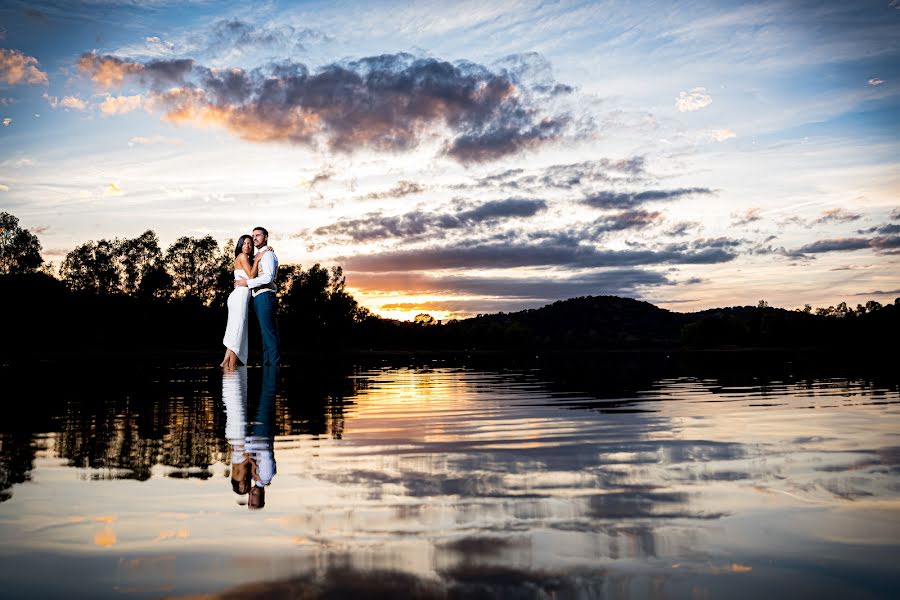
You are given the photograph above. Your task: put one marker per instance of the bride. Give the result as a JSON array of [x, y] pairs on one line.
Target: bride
[[235, 339]]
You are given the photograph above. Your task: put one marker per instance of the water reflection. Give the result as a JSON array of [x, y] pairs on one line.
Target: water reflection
[[252, 442], [456, 482]]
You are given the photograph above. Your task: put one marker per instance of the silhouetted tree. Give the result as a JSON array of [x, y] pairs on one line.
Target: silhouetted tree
[[425, 319], [225, 275], [93, 267], [138, 258], [316, 305], [194, 264], [20, 250]]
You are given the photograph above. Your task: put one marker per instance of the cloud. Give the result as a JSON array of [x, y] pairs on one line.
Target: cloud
[[4, 188], [748, 216], [606, 199], [557, 249], [112, 190], [389, 102], [232, 34], [110, 71], [509, 135], [72, 102], [875, 81], [16, 68], [402, 188], [880, 243], [118, 105], [692, 100], [565, 176], [721, 135], [895, 214], [613, 282], [836, 215], [629, 219], [415, 224], [35, 15], [7, 121], [682, 228], [154, 140], [886, 229]]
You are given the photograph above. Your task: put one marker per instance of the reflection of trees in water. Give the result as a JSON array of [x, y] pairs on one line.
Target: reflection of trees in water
[[178, 421], [129, 438], [313, 399], [16, 460]]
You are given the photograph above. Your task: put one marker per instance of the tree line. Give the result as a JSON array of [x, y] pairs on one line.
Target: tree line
[[129, 293]]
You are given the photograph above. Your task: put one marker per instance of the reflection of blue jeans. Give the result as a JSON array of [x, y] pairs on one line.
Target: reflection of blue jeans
[[265, 305], [261, 441]]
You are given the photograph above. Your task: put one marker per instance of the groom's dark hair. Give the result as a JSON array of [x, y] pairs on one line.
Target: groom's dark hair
[[263, 229]]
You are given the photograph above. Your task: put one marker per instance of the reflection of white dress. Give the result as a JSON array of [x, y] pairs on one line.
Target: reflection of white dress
[[238, 311], [234, 395]]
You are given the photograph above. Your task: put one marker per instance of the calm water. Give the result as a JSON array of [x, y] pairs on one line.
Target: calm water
[[447, 483]]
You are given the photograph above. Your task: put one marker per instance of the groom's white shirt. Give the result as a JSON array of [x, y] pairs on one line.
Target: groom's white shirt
[[265, 279]]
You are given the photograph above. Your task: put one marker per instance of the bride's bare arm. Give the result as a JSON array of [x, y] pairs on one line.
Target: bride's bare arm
[[244, 264], [252, 270]]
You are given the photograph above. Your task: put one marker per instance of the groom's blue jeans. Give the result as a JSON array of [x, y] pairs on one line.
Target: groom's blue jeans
[[265, 306]]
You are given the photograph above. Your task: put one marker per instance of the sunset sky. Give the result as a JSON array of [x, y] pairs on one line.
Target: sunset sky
[[458, 158]]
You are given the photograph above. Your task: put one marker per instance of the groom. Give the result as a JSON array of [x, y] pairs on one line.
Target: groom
[[265, 300]]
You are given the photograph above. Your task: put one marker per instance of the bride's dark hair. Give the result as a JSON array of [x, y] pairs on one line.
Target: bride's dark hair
[[239, 247]]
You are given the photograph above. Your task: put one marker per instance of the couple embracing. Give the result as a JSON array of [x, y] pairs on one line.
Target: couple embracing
[[254, 282]]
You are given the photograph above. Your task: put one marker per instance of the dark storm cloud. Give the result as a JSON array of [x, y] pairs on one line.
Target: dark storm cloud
[[888, 229], [557, 249], [880, 243], [613, 282], [388, 102], [606, 199], [413, 224], [511, 134]]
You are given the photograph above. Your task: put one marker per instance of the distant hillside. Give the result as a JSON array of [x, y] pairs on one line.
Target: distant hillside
[[610, 322], [578, 323]]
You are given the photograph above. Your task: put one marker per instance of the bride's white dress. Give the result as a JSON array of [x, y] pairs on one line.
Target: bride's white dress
[[238, 311]]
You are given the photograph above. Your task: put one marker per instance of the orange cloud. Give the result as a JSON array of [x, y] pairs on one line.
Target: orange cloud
[[118, 105], [192, 106], [110, 71], [107, 71], [67, 102], [16, 67]]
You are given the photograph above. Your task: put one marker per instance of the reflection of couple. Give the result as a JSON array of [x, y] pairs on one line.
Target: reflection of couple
[[252, 444], [254, 277]]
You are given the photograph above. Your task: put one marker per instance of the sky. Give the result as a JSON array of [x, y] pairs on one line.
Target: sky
[[474, 157]]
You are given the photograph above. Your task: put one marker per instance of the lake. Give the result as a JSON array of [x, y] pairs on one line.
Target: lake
[[443, 480]]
